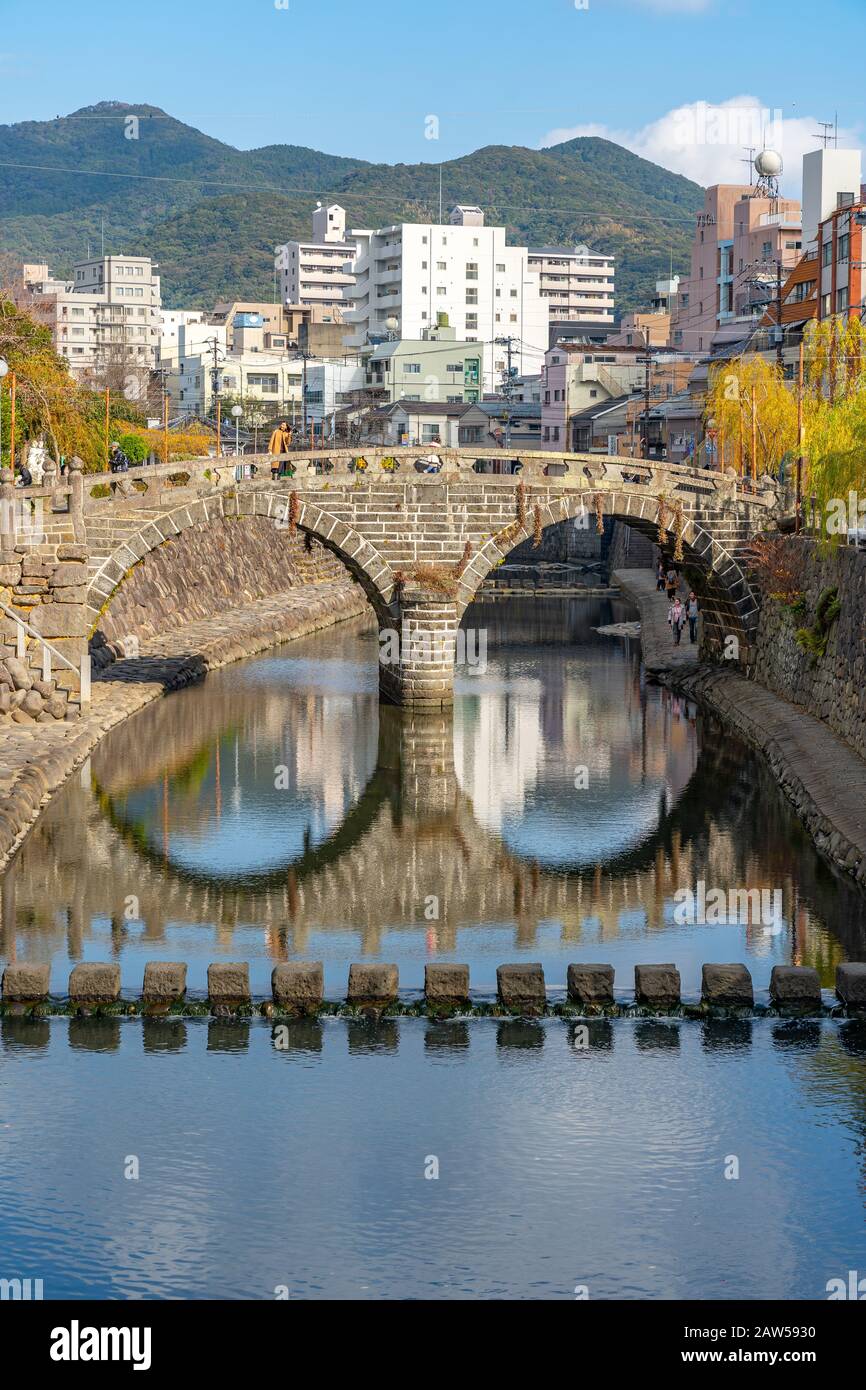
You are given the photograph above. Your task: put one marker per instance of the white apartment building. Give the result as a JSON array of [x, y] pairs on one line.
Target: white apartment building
[[171, 321], [318, 272], [575, 283], [106, 318], [407, 275]]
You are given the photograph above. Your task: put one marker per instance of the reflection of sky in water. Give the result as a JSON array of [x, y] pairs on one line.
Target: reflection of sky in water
[[602, 1166], [562, 826]]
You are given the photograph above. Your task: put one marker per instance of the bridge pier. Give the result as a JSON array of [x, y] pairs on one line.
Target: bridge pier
[[417, 652]]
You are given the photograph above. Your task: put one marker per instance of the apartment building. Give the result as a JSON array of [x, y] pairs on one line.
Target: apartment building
[[105, 320], [434, 367], [576, 283], [740, 236], [580, 379], [409, 274], [318, 272]]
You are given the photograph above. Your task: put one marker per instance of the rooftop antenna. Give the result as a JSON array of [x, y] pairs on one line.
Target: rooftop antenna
[[750, 161], [829, 133]]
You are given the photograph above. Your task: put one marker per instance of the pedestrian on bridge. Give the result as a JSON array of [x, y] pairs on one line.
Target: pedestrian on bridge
[[280, 444], [692, 613], [672, 583], [660, 577], [677, 620]]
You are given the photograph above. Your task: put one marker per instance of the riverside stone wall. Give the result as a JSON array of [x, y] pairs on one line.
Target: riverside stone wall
[[832, 689], [206, 571]]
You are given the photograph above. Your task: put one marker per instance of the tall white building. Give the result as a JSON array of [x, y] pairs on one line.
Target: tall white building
[[410, 273], [318, 272], [106, 318], [575, 283]]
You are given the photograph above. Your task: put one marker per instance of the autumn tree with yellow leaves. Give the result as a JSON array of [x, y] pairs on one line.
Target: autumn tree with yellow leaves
[[752, 389]]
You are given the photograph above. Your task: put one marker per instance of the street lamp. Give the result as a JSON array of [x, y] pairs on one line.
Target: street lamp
[[237, 412], [4, 367]]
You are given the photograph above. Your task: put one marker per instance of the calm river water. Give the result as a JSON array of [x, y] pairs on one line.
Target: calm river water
[[277, 813]]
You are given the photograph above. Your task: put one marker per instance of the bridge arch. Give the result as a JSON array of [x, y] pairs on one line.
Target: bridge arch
[[144, 534], [729, 605]]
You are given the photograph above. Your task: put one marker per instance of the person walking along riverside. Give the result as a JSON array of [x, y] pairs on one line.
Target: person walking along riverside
[[660, 576], [279, 445], [672, 583], [676, 618], [692, 613]]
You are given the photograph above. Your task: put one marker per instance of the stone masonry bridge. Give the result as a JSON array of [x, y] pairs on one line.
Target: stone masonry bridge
[[418, 529]]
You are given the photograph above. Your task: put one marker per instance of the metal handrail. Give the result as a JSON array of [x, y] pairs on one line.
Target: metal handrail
[[82, 671]]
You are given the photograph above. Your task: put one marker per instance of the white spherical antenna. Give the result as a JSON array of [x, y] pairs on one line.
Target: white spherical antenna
[[769, 164]]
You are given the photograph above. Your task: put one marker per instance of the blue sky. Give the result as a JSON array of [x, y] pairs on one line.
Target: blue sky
[[361, 80]]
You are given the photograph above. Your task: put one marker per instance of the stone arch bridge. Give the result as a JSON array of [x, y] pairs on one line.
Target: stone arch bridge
[[418, 530]]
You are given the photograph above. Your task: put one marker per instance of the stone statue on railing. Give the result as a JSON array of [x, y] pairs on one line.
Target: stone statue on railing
[[36, 459]]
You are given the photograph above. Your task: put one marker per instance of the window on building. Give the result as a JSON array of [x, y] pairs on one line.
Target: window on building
[[826, 305], [441, 290], [413, 367], [454, 367], [500, 267], [843, 249], [471, 296], [471, 270], [471, 320], [827, 253], [841, 300], [441, 265]]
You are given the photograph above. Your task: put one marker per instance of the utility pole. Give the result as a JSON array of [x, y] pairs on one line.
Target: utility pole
[[801, 439], [213, 344], [508, 386], [779, 335], [646, 411], [304, 354]]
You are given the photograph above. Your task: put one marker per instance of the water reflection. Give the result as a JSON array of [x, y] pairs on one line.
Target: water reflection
[[604, 1165], [277, 812]]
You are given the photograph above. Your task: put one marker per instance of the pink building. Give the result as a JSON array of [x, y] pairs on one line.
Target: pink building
[[739, 238]]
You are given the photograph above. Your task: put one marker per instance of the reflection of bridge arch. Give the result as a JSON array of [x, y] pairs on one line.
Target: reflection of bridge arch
[[416, 835]]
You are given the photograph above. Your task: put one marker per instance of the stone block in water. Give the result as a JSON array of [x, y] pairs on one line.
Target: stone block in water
[[851, 984], [521, 986], [795, 985], [446, 984], [164, 981], [25, 981], [298, 985], [657, 985], [373, 984], [727, 984], [590, 984], [93, 983]]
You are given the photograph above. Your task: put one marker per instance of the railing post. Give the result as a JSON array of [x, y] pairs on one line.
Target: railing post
[[46, 663], [7, 510], [76, 497]]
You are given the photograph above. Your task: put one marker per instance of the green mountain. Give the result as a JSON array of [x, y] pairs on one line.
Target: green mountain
[[211, 215]]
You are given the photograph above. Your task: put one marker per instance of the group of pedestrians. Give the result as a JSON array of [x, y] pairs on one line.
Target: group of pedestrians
[[679, 613]]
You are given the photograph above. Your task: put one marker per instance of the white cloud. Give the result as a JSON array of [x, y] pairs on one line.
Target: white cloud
[[707, 141]]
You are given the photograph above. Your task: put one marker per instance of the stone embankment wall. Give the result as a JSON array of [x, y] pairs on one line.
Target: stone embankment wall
[[46, 588], [205, 571], [832, 689]]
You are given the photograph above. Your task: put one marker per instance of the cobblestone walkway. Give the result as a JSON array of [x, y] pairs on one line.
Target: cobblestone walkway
[[823, 777], [36, 760], [657, 642]]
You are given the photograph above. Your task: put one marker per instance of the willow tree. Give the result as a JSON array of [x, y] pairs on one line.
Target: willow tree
[[748, 401], [835, 411], [49, 404]]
